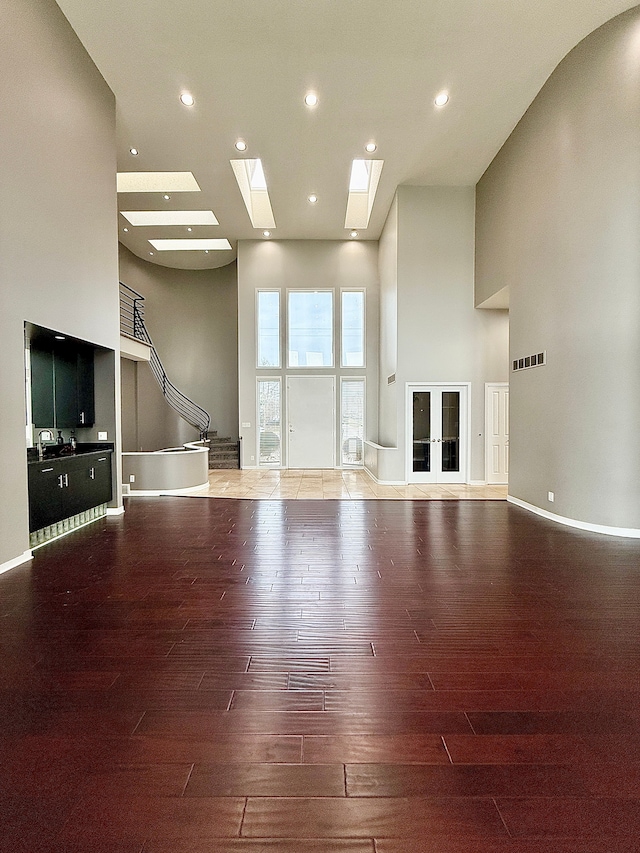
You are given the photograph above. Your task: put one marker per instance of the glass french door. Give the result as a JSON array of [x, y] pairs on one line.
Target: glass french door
[[437, 417]]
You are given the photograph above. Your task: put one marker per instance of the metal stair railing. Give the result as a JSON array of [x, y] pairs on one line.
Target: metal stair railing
[[132, 324]]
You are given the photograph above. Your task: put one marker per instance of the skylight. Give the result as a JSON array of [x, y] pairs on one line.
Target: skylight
[[363, 184], [189, 245], [157, 182], [170, 217], [253, 186]]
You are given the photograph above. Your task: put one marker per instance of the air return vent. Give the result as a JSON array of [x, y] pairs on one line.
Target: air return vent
[[391, 379], [535, 360]]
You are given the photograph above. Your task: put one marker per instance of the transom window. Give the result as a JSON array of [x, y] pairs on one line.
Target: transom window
[[310, 328]]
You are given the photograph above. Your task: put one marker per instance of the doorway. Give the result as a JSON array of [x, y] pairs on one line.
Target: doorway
[[497, 432], [438, 433], [311, 420]]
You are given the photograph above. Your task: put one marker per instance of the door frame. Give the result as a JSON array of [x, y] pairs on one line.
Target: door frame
[[332, 377], [465, 425], [487, 423]]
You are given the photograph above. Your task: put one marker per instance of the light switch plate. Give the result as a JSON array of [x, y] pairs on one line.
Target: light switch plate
[[102, 436], [246, 425]]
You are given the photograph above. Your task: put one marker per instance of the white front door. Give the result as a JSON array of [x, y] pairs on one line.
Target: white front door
[[497, 432], [438, 433], [311, 419]]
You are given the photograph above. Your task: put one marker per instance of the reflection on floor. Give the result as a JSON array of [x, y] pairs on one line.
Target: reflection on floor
[[271, 484]]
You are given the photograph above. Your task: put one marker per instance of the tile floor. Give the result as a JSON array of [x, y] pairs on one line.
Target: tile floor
[[316, 484]]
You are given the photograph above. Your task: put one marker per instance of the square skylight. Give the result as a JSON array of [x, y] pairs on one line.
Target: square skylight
[[170, 217], [157, 182], [253, 187], [363, 184], [189, 245]]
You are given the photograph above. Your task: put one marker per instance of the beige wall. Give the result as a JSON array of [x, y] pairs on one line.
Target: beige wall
[[303, 264], [558, 222], [58, 252], [441, 337], [191, 316]]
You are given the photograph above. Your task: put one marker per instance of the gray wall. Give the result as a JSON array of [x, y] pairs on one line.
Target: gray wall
[[441, 337], [192, 317], [58, 240], [388, 353], [559, 223], [303, 264]]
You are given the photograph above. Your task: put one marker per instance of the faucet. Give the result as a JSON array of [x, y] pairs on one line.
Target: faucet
[[43, 435]]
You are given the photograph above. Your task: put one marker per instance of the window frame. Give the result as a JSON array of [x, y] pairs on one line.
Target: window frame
[[362, 366], [278, 381], [278, 291], [363, 380]]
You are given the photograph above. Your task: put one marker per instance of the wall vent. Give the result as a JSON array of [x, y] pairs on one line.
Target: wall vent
[[391, 379], [535, 360]]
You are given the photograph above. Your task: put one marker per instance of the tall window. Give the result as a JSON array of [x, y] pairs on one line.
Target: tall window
[[352, 328], [352, 421], [268, 328], [310, 328], [269, 428]]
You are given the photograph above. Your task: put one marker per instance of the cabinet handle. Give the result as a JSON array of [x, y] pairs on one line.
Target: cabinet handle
[[45, 470], [102, 459], [81, 417], [92, 473], [66, 480], [61, 481]]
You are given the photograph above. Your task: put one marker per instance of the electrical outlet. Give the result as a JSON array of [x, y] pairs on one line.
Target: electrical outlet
[[246, 425], [551, 497], [132, 478], [102, 436], [253, 458]]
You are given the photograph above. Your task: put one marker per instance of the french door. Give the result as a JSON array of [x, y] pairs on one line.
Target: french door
[[438, 433]]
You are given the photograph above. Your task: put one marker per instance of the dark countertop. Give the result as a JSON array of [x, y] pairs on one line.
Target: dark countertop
[[64, 451]]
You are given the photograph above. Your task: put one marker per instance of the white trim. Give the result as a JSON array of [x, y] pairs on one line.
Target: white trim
[[376, 480], [465, 430], [156, 493], [115, 510], [17, 561], [476, 483], [629, 532]]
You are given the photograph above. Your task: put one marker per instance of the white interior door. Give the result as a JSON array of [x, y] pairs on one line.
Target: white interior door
[[311, 420], [438, 433], [497, 432]]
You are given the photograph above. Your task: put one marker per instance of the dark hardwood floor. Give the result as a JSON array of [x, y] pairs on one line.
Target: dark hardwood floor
[[222, 676]]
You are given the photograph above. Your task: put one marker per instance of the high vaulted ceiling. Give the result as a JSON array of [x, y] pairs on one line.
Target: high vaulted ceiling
[[376, 67]]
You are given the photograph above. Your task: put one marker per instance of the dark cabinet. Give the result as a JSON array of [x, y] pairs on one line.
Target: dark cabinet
[[60, 488], [62, 386]]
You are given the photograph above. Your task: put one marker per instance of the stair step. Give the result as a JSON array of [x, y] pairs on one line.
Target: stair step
[[223, 463]]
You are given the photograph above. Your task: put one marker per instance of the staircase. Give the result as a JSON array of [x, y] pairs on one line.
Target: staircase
[[223, 452], [132, 324]]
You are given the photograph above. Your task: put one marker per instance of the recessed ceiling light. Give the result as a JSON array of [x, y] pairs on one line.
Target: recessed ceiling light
[[266, 233], [312, 199], [241, 145], [60, 337], [166, 197], [311, 100], [151, 253], [189, 229], [126, 229], [353, 234], [206, 251], [441, 99], [134, 151], [187, 99], [370, 147], [170, 217]]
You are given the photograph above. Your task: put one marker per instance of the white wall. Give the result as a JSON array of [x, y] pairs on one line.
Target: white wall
[[441, 336], [302, 264], [58, 220], [559, 223]]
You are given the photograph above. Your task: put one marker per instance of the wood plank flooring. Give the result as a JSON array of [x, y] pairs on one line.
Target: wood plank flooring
[[224, 676]]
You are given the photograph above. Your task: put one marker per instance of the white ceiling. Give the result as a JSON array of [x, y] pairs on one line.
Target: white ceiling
[[376, 67]]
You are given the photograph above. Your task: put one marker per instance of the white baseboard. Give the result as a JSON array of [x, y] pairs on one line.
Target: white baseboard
[[115, 510], [157, 493], [628, 532], [384, 482], [17, 561]]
